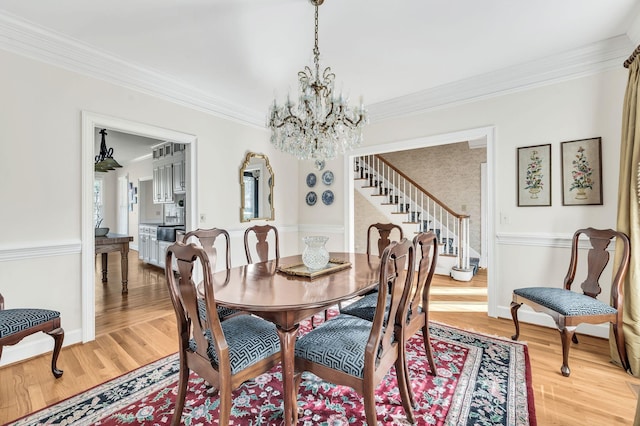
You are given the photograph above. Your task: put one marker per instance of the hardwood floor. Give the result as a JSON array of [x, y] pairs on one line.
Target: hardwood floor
[[140, 328]]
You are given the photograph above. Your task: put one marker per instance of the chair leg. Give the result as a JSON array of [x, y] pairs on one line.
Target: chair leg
[[370, 403], [58, 338], [428, 349], [225, 403], [404, 386], [182, 393], [566, 334], [622, 350], [514, 315], [297, 379]]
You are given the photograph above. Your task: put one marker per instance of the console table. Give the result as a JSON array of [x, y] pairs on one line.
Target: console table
[[111, 243]]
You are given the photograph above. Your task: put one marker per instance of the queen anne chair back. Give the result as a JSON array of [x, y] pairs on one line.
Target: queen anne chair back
[[382, 236], [225, 354], [261, 233]]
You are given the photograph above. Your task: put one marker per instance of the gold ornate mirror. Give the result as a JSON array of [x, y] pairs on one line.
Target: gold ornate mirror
[[256, 188]]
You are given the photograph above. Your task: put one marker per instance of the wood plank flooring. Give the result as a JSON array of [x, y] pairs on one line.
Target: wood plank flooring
[[140, 328]]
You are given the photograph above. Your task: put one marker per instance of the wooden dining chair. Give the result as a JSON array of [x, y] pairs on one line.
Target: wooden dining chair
[[206, 238], [415, 304], [569, 308], [261, 232], [414, 308], [224, 353], [16, 324], [352, 351], [382, 236]]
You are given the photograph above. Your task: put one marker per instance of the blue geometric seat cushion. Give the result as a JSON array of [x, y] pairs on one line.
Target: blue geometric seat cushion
[[15, 320], [250, 340], [365, 307], [223, 312], [566, 302], [339, 344]]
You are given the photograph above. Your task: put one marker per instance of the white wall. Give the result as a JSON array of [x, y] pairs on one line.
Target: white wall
[[531, 242], [40, 130], [576, 109]]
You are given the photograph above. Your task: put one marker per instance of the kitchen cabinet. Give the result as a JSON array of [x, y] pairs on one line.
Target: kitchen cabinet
[[153, 249], [148, 243], [168, 171], [162, 252], [179, 177]]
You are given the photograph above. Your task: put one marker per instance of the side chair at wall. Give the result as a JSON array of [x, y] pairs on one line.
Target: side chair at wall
[[352, 351], [16, 324], [224, 353], [261, 232], [206, 238], [569, 308]]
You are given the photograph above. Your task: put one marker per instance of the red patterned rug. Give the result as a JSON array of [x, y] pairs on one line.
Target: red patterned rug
[[481, 380]]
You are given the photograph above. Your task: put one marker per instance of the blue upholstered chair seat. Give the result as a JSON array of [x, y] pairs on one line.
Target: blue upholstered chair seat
[[566, 302], [223, 313], [16, 320], [338, 344], [250, 340], [365, 307]]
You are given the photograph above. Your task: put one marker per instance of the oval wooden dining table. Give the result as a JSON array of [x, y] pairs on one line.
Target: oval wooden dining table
[[286, 300]]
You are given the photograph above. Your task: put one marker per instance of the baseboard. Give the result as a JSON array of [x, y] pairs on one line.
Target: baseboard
[[35, 345], [532, 317]]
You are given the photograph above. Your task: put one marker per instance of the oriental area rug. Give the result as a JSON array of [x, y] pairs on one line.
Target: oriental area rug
[[481, 380]]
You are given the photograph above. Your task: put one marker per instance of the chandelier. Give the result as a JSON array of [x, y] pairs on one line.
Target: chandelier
[[104, 160], [323, 124]]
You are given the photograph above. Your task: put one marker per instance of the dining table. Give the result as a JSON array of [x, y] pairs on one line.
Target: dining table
[[115, 243], [266, 290]]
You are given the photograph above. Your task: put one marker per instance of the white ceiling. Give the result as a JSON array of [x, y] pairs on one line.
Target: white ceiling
[[231, 56]]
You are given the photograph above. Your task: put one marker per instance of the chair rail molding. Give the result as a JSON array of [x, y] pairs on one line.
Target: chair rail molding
[[543, 240], [39, 249]]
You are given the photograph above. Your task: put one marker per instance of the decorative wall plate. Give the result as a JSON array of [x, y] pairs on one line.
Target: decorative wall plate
[[327, 177], [311, 180], [327, 197], [320, 164], [311, 198]]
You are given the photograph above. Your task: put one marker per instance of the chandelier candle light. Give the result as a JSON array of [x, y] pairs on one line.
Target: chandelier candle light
[[323, 124]]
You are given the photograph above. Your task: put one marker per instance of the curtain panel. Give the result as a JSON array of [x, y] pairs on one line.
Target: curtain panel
[[629, 218]]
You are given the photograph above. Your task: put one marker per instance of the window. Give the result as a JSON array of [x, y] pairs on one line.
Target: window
[[98, 201]]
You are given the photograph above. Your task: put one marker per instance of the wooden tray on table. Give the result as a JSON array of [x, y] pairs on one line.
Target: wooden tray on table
[[300, 270]]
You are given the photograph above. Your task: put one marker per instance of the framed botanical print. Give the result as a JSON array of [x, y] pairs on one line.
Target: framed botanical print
[[534, 176], [581, 162]]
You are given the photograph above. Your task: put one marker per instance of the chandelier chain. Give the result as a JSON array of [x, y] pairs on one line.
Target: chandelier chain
[[316, 49], [322, 124]]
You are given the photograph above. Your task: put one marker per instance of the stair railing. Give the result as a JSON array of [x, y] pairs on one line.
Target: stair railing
[[419, 205]]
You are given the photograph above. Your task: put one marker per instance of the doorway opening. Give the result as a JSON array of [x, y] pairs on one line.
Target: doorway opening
[[483, 135], [91, 121]]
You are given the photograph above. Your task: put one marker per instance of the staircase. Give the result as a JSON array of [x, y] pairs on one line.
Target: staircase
[[406, 203]]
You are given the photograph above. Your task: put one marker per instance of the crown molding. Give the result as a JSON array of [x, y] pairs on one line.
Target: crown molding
[[27, 39], [39, 43], [587, 60]]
